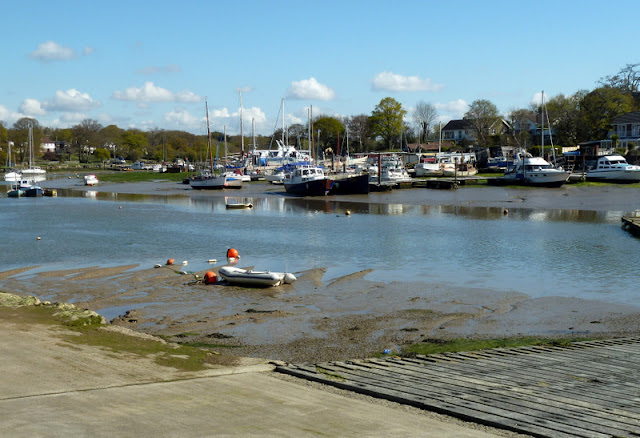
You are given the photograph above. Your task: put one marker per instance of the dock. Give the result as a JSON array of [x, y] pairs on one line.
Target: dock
[[631, 222], [581, 389]]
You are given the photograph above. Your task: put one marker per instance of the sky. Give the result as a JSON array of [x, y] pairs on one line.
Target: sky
[[153, 64]]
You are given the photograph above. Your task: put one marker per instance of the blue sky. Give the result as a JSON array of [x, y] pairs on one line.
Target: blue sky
[[150, 64]]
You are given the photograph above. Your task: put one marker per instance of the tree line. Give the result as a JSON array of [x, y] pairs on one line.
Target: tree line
[[582, 116]]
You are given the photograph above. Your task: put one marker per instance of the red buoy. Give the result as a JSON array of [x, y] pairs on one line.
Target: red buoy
[[170, 261], [232, 253], [210, 278]]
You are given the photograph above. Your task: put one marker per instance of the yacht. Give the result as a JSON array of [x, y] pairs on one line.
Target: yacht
[[91, 180], [535, 171], [613, 168]]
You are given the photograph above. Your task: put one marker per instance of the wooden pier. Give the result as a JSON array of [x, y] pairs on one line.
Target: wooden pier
[[632, 223], [584, 389]]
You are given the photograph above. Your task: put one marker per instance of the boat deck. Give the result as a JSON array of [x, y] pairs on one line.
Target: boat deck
[[584, 389], [631, 223]]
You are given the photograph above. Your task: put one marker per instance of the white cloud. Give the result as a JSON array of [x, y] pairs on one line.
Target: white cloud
[[452, 110], [310, 89], [87, 51], [387, 81], [73, 118], [537, 98], [251, 113], [32, 107], [151, 93], [52, 51], [152, 69], [71, 100], [182, 117]]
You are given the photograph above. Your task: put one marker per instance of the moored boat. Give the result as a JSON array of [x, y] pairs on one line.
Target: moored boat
[[613, 168], [350, 184], [248, 277], [91, 180], [535, 171], [307, 180]]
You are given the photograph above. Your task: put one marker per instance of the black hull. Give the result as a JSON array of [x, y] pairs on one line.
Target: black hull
[[319, 187], [351, 185]]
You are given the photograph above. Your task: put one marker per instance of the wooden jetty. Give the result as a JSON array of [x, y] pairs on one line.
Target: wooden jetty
[[632, 222], [584, 389]]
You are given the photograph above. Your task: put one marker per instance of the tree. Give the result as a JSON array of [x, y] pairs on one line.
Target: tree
[[386, 120], [481, 116], [564, 117], [19, 134], [520, 120], [359, 130], [331, 129], [102, 154], [599, 107], [134, 142], [85, 136], [627, 79], [424, 115]]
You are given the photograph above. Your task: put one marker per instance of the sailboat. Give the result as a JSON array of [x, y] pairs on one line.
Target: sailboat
[[207, 179], [32, 170], [536, 171]]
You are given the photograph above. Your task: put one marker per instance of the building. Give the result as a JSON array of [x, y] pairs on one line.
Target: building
[[457, 131], [627, 129]]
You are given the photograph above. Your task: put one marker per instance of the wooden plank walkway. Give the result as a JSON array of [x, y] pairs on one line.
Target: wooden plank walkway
[[632, 223], [586, 389]]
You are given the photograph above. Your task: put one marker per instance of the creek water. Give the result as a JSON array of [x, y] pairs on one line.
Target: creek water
[[571, 253]]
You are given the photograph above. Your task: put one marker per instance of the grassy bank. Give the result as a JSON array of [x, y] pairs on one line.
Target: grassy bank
[[140, 176]]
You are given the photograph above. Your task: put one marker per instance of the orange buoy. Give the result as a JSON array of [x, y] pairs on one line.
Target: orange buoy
[[232, 253], [210, 278], [170, 261]]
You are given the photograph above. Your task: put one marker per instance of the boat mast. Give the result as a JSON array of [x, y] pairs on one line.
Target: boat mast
[[241, 125], [30, 140], [206, 105], [225, 149], [283, 143], [542, 126]]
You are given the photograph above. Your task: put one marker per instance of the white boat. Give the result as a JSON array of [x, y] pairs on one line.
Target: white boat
[[91, 180], [535, 171], [276, 176], [613, 168], [13, 176], [247, 277], [428, 169], [391, 172], [307, 180], [464, 169]]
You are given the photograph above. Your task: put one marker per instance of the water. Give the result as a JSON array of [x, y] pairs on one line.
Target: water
[[541, 253]]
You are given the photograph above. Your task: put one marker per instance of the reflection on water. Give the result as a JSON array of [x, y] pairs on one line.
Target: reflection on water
[[538, 252]]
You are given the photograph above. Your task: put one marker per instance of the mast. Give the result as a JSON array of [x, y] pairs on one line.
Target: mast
[[283, 143], [225, 148], [542, 127], [206, 105], [440, 138], [241, 125]]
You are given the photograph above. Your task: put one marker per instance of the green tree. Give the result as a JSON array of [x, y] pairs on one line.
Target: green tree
[[331, 129], [599, 107], [386, 121], [19, 135], [626, 80], [85, 136], [359, 131], [134, 142], [565, 119], [102, 154], [481, 116]]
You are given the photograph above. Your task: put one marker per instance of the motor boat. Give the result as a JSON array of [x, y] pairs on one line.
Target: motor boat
[[535, 171], [13, 175], [248, 277], [307, 180], [613, 168], [91, 180]]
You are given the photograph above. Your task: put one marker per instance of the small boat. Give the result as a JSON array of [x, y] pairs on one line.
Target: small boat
[[613, 168], [535, 171], [307, 180], [13, 175], [91, 180], [348, 184], [15, 191], [247, 277], [239, 205]]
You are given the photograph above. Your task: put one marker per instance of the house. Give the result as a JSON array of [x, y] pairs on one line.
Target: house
[[457, 131], [627, 129], [429, 146]]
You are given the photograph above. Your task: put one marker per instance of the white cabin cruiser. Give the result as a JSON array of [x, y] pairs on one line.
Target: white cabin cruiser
[[535, 171], [91, 180], [613, 168]]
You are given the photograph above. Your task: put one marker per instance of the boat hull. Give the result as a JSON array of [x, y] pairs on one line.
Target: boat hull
[[552, 179], [614, 175], [215, 183], [250, 278], [351, 185], [317, 187]]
